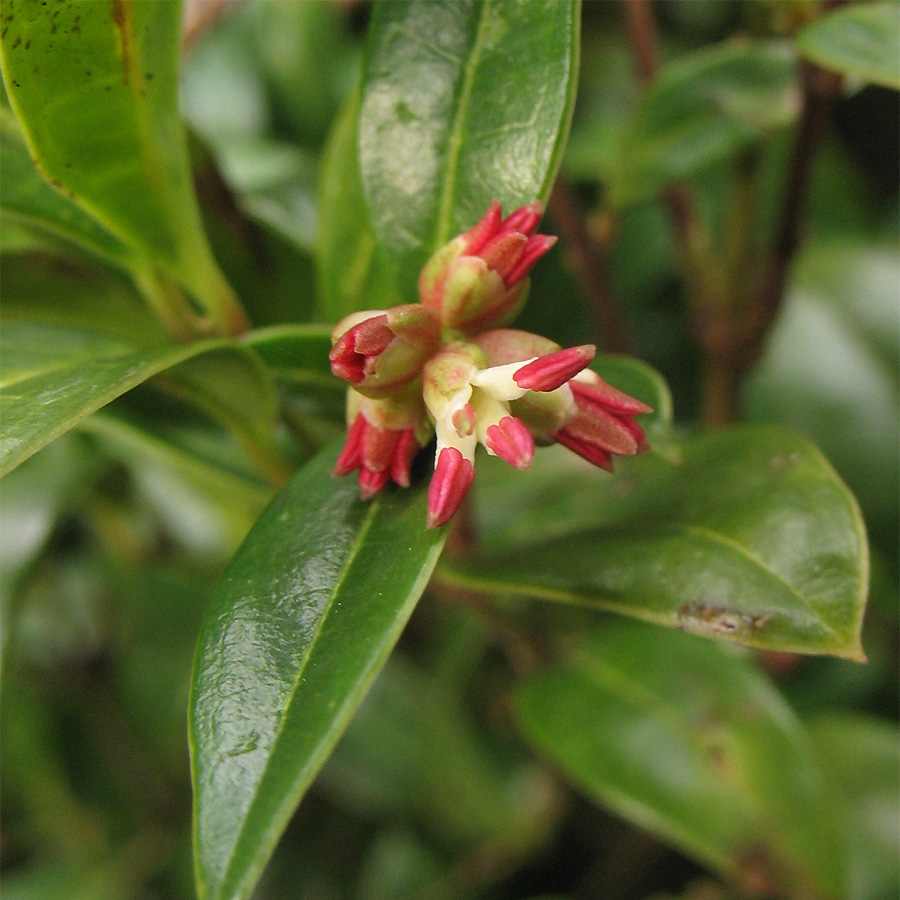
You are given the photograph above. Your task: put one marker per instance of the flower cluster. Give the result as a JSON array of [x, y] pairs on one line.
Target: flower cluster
[[447, 367]]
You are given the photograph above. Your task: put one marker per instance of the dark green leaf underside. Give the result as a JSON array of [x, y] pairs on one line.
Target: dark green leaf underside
[[688, 740]]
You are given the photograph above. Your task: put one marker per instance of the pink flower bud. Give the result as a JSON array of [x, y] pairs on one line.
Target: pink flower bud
[[383, 438], [602, 425], [479, 279], [549, 372], [453, 476], [512, 442], [565, 401], [442, 368], [378, 352]]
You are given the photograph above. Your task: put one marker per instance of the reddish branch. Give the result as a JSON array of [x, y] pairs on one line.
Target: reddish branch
[[734, 339], [642, 35], [820, 88], [732, 334]]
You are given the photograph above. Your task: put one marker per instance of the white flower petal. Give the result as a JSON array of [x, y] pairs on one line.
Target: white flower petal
[[497, 381]]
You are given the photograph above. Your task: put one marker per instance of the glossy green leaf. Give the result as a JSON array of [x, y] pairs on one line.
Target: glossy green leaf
[[461, 103], [52, 376], [860, 757], [703, 108], [298, 357], [863, 40], [94, 86], [752, 539], [351, 273], [689, 741], [28, 197], [57, 290], [295, 352], [301, 622], [202, 496]]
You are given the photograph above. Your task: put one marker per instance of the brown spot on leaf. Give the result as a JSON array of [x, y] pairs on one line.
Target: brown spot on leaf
[[710, 618]]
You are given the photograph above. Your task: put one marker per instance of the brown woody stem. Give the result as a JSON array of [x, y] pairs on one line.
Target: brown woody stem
[[731, 314], [820, 88]]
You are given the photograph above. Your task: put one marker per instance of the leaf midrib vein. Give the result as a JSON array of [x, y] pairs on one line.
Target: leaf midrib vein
[[716, 537], [364, 529], [454, 140]]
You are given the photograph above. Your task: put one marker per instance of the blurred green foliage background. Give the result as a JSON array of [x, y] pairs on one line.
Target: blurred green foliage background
[[111, 543]]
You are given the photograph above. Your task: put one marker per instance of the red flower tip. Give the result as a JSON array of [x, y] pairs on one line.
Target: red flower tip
[[350, 458], [600, 395], [503, 252], [602, 426], [477, 237], [585, 449], [525, 219], [371, 482], [512, 442], [380, 454], [549, 372], [404, 454], [509, 246], [453, 476], [353, 356], [536, 247]]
